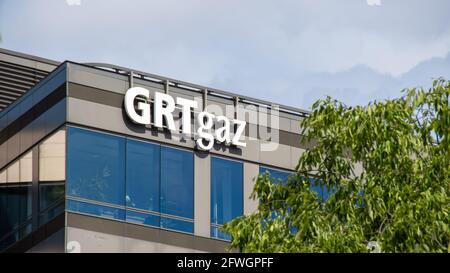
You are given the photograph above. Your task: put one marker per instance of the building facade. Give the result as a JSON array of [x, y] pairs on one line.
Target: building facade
[[78, 174]]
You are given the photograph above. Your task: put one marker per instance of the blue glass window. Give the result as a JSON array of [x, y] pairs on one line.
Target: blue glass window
[[143, 175], [96, 166], [277, 175], [177, 187], [179, 225], [323, 192], [130, 180], [177, 182], [142, 218], [94, 209], [217, 233], [51, 200], [15, 212], [227, 197]]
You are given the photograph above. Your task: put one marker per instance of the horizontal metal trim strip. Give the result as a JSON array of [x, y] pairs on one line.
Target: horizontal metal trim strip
[[11, 93], [13, 89], [8, 98], [26, 70], [16, 82], [21, 87], [149, 212], [20, 76], [28, 57], [95, 202]]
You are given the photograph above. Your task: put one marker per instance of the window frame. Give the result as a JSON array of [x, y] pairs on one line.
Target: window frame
[[216, 225]]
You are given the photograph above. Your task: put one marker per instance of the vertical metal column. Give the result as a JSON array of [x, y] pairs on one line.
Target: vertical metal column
[[236, 102], [35, 188], [131, 76], [166, 87], [205, 99], [202, 194]]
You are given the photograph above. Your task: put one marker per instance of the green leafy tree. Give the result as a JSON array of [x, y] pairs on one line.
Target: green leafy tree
[[387, 166]]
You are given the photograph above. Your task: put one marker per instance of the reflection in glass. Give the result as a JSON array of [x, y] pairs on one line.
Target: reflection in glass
[[277, 175], [15, 201], [51, 200], [227, 199], [15, 213], [142, 218], [94, 209], [143, 175], [143, 183], [16, 189], [177, 182], [96, 166]]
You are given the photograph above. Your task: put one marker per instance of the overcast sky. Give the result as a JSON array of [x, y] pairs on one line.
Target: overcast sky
[[290, 52]]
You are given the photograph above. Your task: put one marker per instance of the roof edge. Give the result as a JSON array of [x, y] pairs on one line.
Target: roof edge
[[29, 57]]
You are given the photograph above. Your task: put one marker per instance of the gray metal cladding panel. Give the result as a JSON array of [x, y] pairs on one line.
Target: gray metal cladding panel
[[118, 233], [97, 78], [13, 147], [3, 153], [251, 171], [92, 94], [202, 187]]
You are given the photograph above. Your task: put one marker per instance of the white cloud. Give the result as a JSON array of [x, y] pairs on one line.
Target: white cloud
[[287, 51], [373, 2]]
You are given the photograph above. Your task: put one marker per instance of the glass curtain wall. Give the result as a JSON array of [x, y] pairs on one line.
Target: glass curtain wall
[[15, 200], [130, 180]]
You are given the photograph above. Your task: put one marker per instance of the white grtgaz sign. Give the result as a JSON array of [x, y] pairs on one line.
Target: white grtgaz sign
[[164, 105]]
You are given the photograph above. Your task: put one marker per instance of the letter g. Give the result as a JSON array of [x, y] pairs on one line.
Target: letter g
[[130, 96]]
